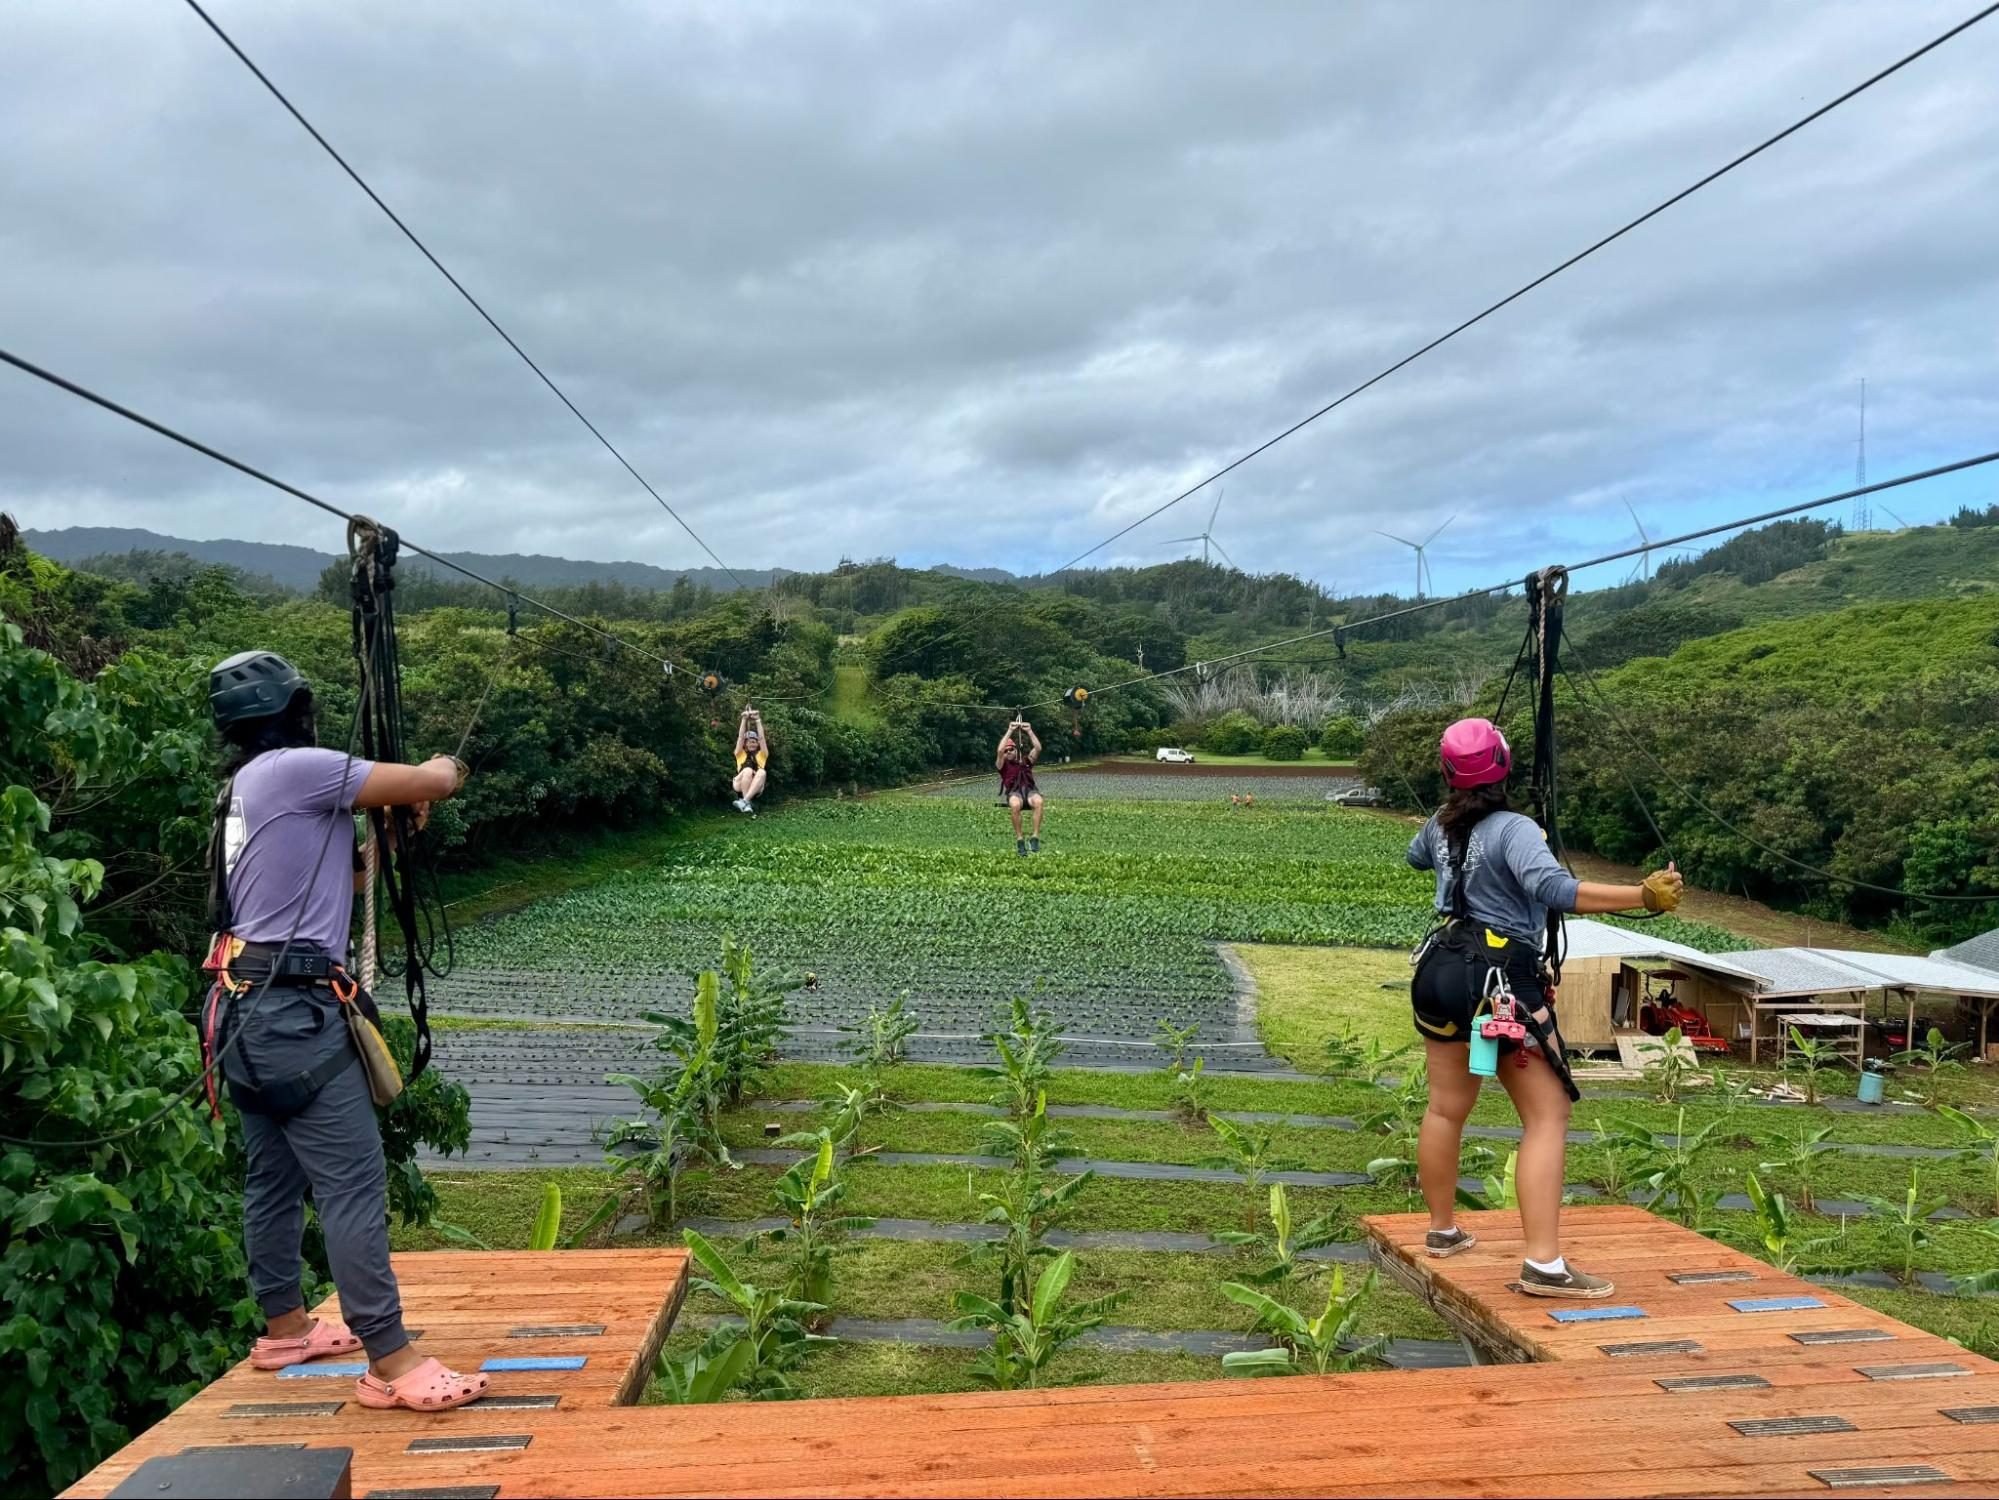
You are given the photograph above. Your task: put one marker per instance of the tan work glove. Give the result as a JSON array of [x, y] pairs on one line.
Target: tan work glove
[[1662, 889]]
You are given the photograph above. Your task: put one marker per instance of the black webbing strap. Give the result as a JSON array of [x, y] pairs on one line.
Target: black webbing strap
[[374, 550], [1547, 591]]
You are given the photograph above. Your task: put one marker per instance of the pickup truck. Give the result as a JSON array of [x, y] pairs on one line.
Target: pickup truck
[[1357, 796]]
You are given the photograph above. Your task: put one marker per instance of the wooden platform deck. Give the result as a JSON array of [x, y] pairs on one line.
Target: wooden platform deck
[[600, 1316], [1751, 1411]]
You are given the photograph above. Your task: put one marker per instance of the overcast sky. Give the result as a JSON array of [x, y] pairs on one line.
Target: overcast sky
[[979, 284]]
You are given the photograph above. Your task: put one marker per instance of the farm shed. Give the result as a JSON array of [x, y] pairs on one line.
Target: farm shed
[[1836, 983], [1603, 980]]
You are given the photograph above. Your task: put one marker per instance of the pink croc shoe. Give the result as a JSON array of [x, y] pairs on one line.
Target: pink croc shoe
[[320, 1340], [429, 1387]]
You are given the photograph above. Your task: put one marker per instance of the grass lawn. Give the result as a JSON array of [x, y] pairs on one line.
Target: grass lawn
[[1305, 995]]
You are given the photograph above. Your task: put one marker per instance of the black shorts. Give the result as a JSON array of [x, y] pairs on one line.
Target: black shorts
[[1448, 987], [1022, 792]]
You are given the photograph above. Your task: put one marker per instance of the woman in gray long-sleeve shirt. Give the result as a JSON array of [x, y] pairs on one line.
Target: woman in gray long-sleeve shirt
[[1496, 883]]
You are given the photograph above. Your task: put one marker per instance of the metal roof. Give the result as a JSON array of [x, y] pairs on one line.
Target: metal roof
[[1589, 939], [1803, 971], [1936, 976], [1981, 952]]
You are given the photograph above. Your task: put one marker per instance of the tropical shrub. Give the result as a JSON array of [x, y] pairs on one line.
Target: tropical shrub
[[1324, 1345], [1233, 734], [1342, 737], [1285, 742]]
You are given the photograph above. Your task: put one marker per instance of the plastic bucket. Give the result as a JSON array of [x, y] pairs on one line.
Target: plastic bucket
[[1870, 1089], [1484, 1054]]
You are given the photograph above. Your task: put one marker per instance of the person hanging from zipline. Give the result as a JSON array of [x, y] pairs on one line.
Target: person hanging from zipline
[[752, 761], [1482, 962], [280, 1015], [1017, 789]]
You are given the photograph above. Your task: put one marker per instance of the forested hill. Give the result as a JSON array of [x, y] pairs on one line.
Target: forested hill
[[299, 568]]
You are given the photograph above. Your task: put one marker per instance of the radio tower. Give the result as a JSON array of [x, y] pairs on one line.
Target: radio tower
[[1863, 513]]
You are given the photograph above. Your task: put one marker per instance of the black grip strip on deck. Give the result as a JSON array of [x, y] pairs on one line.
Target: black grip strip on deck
[[471, 1442], [250, 1409], [1760, 1427], [1972, 1414], [1657, 1346], [438, 1492], [1853, 1479], [1911, 1372], [1682, 1385], [519, 1403], [1709, 1278], [557, 1331], [242, 1448], [1843, 1336]]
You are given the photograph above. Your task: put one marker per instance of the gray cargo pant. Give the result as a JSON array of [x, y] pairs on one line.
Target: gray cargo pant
[[332, 1148]]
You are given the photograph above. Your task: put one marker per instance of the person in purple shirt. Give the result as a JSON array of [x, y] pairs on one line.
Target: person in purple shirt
[[1016, 772], [282, 883]]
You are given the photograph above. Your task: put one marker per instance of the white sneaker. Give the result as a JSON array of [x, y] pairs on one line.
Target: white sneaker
[[740, 805]]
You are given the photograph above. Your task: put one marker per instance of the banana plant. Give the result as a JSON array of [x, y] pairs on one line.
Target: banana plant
[[683, 1101], [1025, 1208], [1251, 1152], [1025, 1340], [1935, 1057], [1174, 1041], [1400, 1118], [1983, 1144], [546, 1233], [1028, 1048], [1282, 1242], [1348, 1057], [1029, 1142], [1779, 1230], [809, 1193], [879, 1039], [1799, 1160], [1908, 1221], [1982, 1283], [708, 1374], [1673, 1067], [772, 1326], [1670, 1166], [1324, 1345], [849, 1107], [1809, 1056], [1190, 1092]]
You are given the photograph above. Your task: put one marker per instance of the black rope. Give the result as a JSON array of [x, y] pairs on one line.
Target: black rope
[[1547, 592], [1546, 276], [407, 861], [457, 285]]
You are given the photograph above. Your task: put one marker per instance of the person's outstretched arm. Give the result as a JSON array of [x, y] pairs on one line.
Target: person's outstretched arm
[[1659, 891], [742, 730], [400, 786], [1006, 738], [1034, 744]]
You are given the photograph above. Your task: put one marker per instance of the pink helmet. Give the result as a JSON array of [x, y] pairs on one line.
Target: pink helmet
[[1475, 753]]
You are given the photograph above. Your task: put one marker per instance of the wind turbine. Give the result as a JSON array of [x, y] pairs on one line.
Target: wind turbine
[[1206, 537], [1644, 564], [1422, 567]]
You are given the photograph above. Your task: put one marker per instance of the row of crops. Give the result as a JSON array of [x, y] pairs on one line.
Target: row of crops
[[1116, 921]]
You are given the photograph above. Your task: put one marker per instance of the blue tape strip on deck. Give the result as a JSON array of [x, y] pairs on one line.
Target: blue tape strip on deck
[[1774, 1304], [1596, 1314], [320, 1371], [545, 1362]]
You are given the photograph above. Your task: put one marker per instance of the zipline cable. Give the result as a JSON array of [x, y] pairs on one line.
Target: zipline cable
[[1698, 801], [457, 285], [139, 419], [1546, 276]]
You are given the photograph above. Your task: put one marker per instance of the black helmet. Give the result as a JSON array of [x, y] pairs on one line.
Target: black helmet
[[252, 685]]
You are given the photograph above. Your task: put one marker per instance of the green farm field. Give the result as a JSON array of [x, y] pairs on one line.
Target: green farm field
[[1121, 922]]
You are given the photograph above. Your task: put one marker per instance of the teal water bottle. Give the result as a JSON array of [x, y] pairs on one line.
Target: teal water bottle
[[1484, 1053]]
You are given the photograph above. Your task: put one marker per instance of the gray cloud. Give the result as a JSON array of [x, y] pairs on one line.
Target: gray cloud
[[979, 286]]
